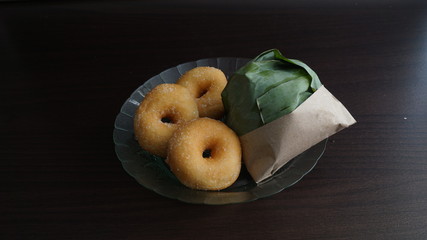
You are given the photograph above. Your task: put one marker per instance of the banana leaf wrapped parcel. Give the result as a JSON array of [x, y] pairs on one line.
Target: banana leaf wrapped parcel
[[279, 108]]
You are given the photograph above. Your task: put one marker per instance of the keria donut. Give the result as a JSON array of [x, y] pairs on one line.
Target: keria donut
[[205, 154], [206, 85], [159, 114]]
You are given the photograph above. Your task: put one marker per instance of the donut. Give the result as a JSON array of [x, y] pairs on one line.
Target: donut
[[206, 85], [205, 154], [159, 114]]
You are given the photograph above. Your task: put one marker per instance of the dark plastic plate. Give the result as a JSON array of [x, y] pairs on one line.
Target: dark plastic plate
[[152, 173]]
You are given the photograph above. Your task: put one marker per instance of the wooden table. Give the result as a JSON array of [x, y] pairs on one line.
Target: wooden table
[[67, 67]]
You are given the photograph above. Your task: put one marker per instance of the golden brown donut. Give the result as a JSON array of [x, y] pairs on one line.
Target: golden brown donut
[[206, 85], [205, 154], [159, 114]]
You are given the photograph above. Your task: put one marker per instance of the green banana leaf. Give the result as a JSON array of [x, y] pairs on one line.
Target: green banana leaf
[[266, 88]]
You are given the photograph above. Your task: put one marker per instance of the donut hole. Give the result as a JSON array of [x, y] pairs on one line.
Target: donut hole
[[207, 153], [210, 150], [204, 88], [202, 93], [168, 119]]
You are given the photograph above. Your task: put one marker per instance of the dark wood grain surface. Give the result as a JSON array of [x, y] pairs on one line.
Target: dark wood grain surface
[[67, 67]]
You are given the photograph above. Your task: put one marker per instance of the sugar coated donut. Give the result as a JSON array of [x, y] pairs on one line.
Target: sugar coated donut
[[205, 154], [159, 114], [206, 85]]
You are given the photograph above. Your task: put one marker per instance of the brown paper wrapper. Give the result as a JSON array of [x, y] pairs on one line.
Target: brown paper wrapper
[[270, 147]]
